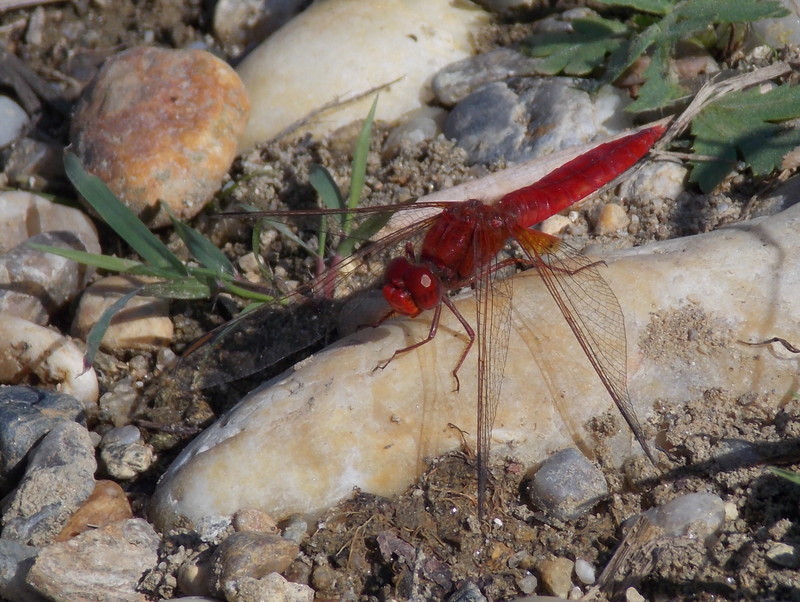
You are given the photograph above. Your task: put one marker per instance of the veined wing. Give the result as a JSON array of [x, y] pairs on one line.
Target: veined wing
[[301, 319], [593, 313], [493, 326]]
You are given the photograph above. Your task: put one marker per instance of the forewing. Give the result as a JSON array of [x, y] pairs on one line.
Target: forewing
[[493, 317], [592, 311]]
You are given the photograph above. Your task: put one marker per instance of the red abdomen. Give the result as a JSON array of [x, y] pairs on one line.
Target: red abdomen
[[577, 178]]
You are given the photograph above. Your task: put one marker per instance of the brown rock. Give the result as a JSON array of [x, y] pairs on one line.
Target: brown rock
[[161, 126], [254, 520], [248, 554], [107, 504], [101, 564]]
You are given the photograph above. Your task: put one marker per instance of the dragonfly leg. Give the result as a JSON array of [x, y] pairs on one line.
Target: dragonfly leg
[[786, 344], [431, 335], [470, 334]]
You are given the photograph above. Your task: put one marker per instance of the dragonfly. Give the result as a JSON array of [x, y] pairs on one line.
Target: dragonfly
[[460, 248]]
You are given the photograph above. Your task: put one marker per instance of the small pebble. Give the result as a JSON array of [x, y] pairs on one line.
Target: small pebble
[[555, 225], [100, 564], [272, 587], [527, 584], [467, 592], [13, 120], [254, 520], [124, 454], [612, 218], [584, 571], [556, 575], [784, 555], [248, 555], [193, 578], [241, 23], [419, 125], [33, 164], [107, 504], [161, 126], [294, 528], [694, 515], [567, 485], [117, 404], [632, 595], [143, 324], [58, 479]]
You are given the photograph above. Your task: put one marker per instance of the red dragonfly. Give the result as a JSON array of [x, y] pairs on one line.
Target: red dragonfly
[[460, 248]]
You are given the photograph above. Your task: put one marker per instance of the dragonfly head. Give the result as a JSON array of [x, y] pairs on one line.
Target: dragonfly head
[[411, 288]]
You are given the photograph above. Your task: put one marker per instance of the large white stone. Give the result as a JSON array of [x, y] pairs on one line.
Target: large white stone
[[304, 440], [337, 49]]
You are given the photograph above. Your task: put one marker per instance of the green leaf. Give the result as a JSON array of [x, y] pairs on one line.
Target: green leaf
[[744, 121], [106, 262], [580, 52], [286, 231], [365, 230], [794, 477], [658, 7], [323, 182], [181, 288], [101, 326], [202, 249], [119, 217], [360, 162]]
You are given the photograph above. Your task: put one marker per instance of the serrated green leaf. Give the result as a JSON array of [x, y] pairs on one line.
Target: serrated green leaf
[[744, 121], [202, 249], [121, 219], [579, 52], [658, 7]]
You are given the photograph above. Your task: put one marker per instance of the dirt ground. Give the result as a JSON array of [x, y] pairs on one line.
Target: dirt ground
[[365, 550]]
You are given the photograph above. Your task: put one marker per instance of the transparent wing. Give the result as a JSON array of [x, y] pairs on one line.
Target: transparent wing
[[593, 313]]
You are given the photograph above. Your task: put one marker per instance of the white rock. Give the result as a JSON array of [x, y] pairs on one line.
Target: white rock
[[24, 214], [302, 442], [27, 348], [341, 48], [13, 119], [143, 324]]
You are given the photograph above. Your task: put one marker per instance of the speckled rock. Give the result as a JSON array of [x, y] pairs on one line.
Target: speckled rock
[[124, 454], [334, 422], [347, 47], [58, 479], [143, 324], [26, 415], [161, 126], [102, 565], [273, 587]]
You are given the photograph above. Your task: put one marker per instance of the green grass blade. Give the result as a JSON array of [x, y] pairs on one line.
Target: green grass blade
[[182, 288], [106, 262], [331, 197], [101, 326], [120, 218], [202, 249], [365, 230], [360, 162], [794, 477]]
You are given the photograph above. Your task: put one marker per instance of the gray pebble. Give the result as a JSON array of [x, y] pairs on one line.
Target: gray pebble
[[294, 528], [32, 163], [495, 122], [15, 562], [567, 485], [26, 415], [58, 479], [124, 454], [458, 80], [468, 592]]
